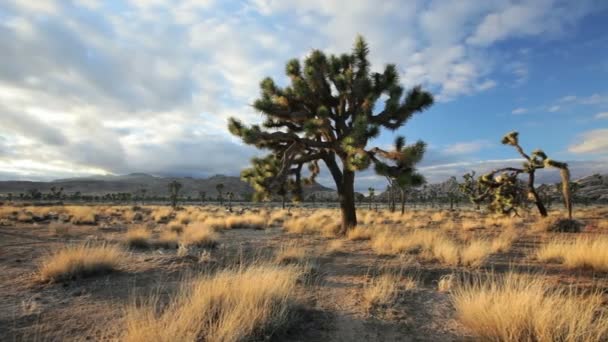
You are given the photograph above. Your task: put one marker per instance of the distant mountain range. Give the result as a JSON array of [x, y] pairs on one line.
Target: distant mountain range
[[594, 187], [134, 182]]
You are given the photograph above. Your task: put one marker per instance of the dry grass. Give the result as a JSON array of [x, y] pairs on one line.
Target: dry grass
[[247, 221], [381, 290], [334, 247], [504, 240], [476, 252], [175, 227], [215, 223], [524, 308], [82, 260], [138, 237], [322, 222], [291, 254], [359, 234], [232, 305], [60, 229], [168, 239], [582, 252], [162, 214], [83, 215], [199, 235]]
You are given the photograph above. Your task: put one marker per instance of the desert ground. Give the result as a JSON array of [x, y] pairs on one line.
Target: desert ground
[[201, 273]]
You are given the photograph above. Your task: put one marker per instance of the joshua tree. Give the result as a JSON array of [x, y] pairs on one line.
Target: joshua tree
[[452, 190], [471, 188], [230, 195], [9, 196], [398, 166], [56, 193], [220, 188], [202, 195], [313, 198], [174, 188], [371, 192], [328, 113], [503, 186]]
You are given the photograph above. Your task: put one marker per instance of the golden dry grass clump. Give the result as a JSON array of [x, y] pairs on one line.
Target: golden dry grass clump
[[249, 220], [80, 261], [382, 290], [582, 252], [323, 222], [199, 235], [291, 254], [437, 245], [230, 306], [162, 214], [359, 233], [515, 307], [138, 237], [83, 214]]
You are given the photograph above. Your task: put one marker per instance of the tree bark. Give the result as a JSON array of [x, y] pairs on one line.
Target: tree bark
[[537, 200], [402, 201], [345, 184], [347, 201]]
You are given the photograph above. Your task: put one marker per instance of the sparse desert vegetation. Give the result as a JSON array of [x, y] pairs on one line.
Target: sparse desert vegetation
[[229, 276]]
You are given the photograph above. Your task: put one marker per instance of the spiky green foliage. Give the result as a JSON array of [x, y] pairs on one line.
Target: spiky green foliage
[[328, 113], [174, 188]]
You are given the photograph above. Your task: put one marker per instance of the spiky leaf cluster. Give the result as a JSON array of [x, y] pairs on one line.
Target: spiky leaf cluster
[[330, 109], [399, 164]]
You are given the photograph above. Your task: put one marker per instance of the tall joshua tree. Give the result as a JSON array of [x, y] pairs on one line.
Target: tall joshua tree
[[174, 188], [398, 166], [328, 113]]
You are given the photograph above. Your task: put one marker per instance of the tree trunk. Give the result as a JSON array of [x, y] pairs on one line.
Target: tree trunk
[[345, 184], [402, 202], [539, 203], [347, 201]]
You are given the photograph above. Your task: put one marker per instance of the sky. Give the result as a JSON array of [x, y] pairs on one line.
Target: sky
[[92, 87]]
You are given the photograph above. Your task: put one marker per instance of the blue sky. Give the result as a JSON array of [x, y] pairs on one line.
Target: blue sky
[[94, 87]]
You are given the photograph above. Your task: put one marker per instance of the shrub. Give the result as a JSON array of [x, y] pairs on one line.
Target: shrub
[[525, 308], [359, 233], [82, 260], [199, 236], [582, 252], [230, 306], [83, 215], [138, 237]]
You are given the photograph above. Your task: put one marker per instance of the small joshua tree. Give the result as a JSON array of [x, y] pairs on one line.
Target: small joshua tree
[[328, 113], [371, 193], [230, 195], [471, 188], [505, 189], [174, 188], [220, 197], [398, 166], [452, 191]]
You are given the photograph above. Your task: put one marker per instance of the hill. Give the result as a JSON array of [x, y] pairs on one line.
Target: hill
[[155, 186]]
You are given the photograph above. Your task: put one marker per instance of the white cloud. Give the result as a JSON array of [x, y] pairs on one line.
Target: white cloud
[[518, 111], [112, 88], [568, 98], [594, 141], [602, 115], [554, 108], [468, 147]]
